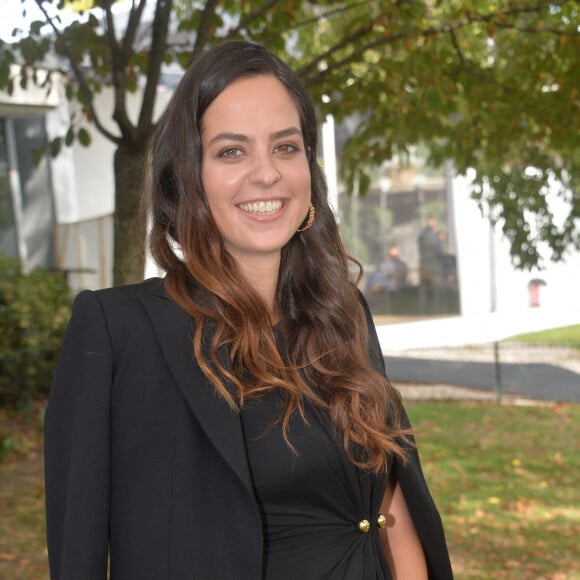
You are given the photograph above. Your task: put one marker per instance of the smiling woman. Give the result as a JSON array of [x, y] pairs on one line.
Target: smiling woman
[[234, 420]]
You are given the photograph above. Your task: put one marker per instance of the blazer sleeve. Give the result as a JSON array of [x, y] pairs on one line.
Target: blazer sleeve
[[410, 477], [77, 447]]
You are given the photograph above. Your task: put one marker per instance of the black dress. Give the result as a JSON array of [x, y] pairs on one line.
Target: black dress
[[311, 502]]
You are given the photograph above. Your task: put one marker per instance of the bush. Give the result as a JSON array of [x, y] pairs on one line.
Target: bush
[[34, 312]]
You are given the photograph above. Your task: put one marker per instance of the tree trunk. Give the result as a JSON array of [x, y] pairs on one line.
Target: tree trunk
[[130, 214]]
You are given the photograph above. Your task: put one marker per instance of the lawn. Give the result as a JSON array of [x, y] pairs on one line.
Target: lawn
[[506, 479], [22, 546], [568, 336], [507, 482]]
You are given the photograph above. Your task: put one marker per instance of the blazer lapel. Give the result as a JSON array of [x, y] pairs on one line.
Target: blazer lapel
[[174, 331]]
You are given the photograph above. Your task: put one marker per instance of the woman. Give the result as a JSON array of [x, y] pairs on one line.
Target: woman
[[233, 420]]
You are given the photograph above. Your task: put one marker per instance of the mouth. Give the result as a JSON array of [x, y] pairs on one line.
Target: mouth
[[262, 207]]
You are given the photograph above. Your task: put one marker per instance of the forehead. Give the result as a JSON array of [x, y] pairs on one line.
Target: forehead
[[255, 100]]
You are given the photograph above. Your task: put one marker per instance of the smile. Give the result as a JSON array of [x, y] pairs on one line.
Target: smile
[[262, 207]]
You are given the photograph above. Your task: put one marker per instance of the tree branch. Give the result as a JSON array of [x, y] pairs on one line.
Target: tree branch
[[86, 92], [344, 42], [538, 30], [333, 12], [499, 16], [156, 57], [457, 48], [204, 25], [249, 18], [131, 30], [474, 71], [118, 72], [119, 62], [352, 57], [261, 10]]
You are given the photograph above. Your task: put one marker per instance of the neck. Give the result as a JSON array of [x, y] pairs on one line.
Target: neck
[[262, 275]]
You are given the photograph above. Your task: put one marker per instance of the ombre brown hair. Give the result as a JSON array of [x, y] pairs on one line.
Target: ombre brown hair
[[319, 348]]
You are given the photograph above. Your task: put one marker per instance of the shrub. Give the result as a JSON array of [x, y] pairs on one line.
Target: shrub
[[34, 312]]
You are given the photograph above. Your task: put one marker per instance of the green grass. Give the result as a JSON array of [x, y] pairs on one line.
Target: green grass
[[505, 479], [568, 336]]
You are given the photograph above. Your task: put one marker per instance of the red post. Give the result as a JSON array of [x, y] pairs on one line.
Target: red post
[[534, 286], [534, 295]]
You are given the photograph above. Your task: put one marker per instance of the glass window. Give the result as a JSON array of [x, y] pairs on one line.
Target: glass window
[[402, 232]]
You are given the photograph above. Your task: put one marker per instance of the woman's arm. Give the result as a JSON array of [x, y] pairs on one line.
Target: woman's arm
[[409, 476], [77, 448], [399, 538]]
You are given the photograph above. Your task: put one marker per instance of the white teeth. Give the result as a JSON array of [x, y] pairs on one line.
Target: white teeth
[[262, 207]]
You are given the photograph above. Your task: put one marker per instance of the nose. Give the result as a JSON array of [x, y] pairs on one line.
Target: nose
[[264, 171]]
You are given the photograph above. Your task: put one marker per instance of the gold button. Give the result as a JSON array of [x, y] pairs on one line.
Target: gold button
[[387, 520], [364, 526]]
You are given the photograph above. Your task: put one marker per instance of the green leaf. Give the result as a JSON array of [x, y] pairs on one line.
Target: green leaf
[[4, 73], [70, 136], [55, 146], [84, 137]]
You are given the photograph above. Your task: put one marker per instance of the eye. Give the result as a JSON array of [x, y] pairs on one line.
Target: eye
[[230, 153], [287, 148]]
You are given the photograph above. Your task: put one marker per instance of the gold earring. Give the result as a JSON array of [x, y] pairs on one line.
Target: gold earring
[[311, 216]]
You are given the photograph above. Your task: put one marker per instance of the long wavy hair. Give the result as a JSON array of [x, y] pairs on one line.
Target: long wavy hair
[[325, 354]]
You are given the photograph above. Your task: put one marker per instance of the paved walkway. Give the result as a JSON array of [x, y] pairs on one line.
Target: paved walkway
[[536, 373], [454, 358]]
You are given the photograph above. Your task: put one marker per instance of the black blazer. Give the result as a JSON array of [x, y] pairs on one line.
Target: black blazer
[[144, 460]]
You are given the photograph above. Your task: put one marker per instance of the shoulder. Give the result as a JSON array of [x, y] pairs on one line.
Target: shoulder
[[119, 309], [119, 299], [129, 292]]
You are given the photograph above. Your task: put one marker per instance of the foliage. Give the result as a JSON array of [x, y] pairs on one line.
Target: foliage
[[493, 86], [566, 336], [34, 311]]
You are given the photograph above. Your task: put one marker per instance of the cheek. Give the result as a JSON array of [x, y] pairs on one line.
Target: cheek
[[220, 179], [305, 180]]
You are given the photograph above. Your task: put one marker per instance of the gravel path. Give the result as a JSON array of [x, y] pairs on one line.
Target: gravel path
[[567, 358], [411, 393]]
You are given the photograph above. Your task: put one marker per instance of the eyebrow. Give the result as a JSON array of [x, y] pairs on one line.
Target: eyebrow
[[227, 136]]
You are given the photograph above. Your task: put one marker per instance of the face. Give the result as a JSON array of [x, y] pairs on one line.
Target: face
[[254, 168]]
